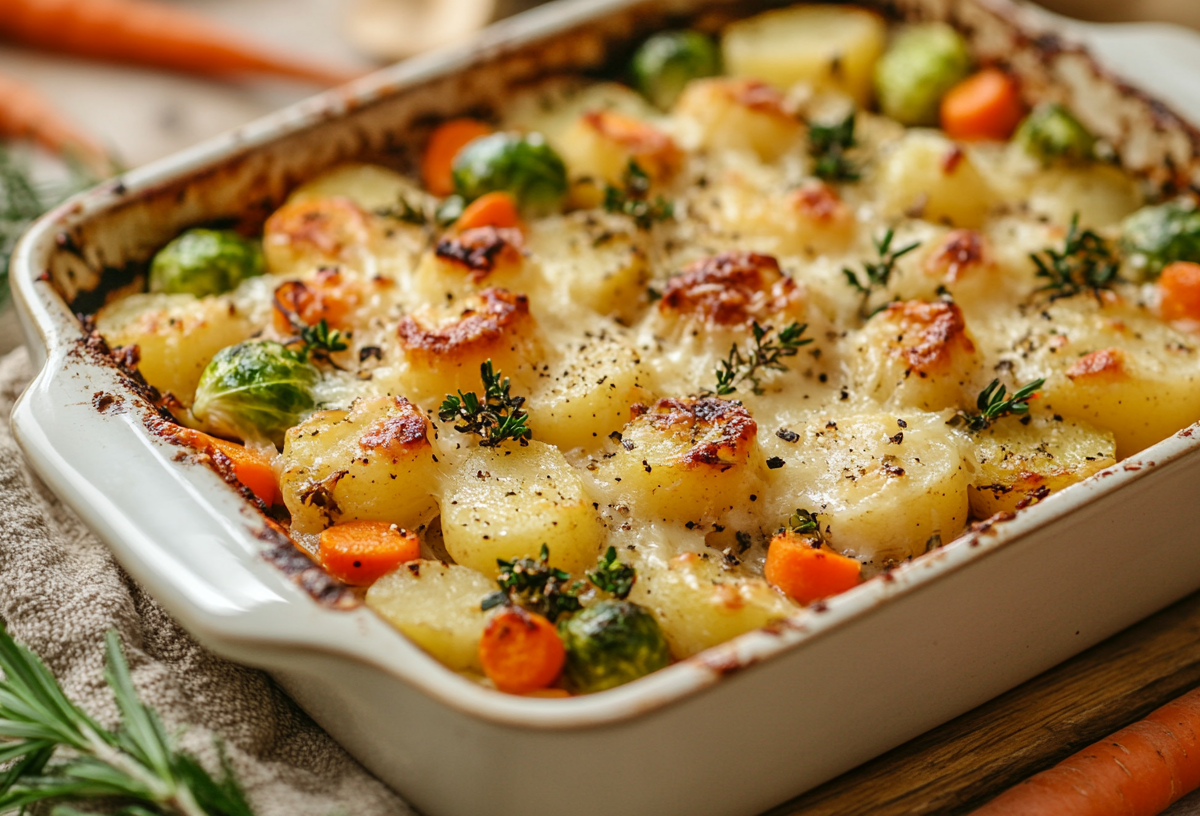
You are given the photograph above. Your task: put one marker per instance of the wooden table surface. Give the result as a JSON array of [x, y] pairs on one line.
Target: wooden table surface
[[948, 770]]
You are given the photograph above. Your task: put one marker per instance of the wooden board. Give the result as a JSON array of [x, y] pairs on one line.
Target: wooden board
[[958, 766]]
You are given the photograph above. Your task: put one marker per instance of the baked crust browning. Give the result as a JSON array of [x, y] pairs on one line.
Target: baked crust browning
[[961, 251], [398, 435], [718, 432], [654, 151], [1105, 365], [328, 296], [730, 289], [491, 317], [928, 335], [481, 250], [820, 203], [332, 227]]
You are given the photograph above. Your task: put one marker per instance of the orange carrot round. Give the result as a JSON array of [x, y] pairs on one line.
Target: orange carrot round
[[1138, 771], [1179, 286], [497, 209], [520, 651], [359, 553], [986, 105], [250, 467], [805, 573], [444, 144], [148, 33], [26, 114]]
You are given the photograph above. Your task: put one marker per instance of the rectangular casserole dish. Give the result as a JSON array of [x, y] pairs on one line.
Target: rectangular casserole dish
[[732, 731]]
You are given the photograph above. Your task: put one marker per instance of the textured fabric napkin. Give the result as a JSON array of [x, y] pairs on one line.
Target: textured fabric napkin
[[61, 590]]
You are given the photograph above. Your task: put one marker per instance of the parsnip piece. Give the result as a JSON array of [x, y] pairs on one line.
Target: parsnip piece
[[829, 47], [371, 463], [177, 335], [437, 606], [699, 605], [1024, 461], [927, 175], [507, 502]]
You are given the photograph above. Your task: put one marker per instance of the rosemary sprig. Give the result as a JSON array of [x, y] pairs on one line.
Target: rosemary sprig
[[536, 586], [993, 405], [766, 352], [613, 575], [135, 763], [499, 417], [633, 199], [827, 144], [1086, 261], [876, 274]]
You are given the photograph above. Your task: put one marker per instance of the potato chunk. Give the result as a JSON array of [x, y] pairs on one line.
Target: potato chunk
[[884, 486], [1022, 462], [829, 47], [507, 502], [699, 605], [917, 354], [931, 177], [739, 114], [602, 143], [808, 220], [690, 459], [177, 336], [437, 606], [371, 463]]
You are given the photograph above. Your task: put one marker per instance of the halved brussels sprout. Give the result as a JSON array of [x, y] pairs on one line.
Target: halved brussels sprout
[[1050, 132], [921, 64], [610, 644], [520, 164], [666, 62], [204, 262], [255, 390], [1155, 236]]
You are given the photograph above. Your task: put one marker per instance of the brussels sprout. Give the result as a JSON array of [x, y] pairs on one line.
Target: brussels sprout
[[668, 61], [520, 164], [1050, 132], [921, 64], [255, 390], [205, 262], [610, 644], [1155, 236]]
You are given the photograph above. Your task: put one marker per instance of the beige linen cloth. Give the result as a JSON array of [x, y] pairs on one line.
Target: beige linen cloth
[[61, 590]]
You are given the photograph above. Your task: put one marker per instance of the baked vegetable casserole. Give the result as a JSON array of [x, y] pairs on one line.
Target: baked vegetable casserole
[[620, 370]]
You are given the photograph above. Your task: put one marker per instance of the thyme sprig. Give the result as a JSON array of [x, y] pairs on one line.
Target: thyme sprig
[[1086, 262], [827, 144], [993, 403], [497, 418], [134, 765], [878, 273], [319, 341], [613, 575], [633, 199], [404, 210], [535, 585], [766, 353]]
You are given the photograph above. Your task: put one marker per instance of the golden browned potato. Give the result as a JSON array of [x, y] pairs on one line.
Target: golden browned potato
[[739, 114]]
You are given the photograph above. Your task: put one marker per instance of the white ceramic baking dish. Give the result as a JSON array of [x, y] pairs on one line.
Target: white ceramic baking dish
[[733, 731]]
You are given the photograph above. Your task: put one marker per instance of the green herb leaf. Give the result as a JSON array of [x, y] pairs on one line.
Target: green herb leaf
[[1086, 262], [766, 353], [993, 405], [827, 144], [536, 586], [403, 210], [876, 274], [612, 575], [633, 199], [499, 417], [320, 341]]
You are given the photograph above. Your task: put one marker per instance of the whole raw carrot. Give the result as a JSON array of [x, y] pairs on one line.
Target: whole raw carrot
[[148, 33], [1138, 771], [26, 114]]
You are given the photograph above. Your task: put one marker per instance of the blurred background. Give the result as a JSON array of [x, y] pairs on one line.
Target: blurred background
[[119, 83]]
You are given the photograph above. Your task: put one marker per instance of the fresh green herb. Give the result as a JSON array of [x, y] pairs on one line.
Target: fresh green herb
[[766, 353], [877, 274], [613, 575], [320, 341], [633, 199], [803, 522], [403, 210], [134, 766], [536, 586], [993, 405], [827, 144], [1087, 261], [498, 418]]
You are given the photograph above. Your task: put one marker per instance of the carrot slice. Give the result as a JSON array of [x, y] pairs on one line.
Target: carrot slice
[[498, 209], [250, 467], [149, 33], [26, 114], [1179, 285], [359, 553], [520, 651], [444, 144], [1138, 771], [986, 105], [805, 573]]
